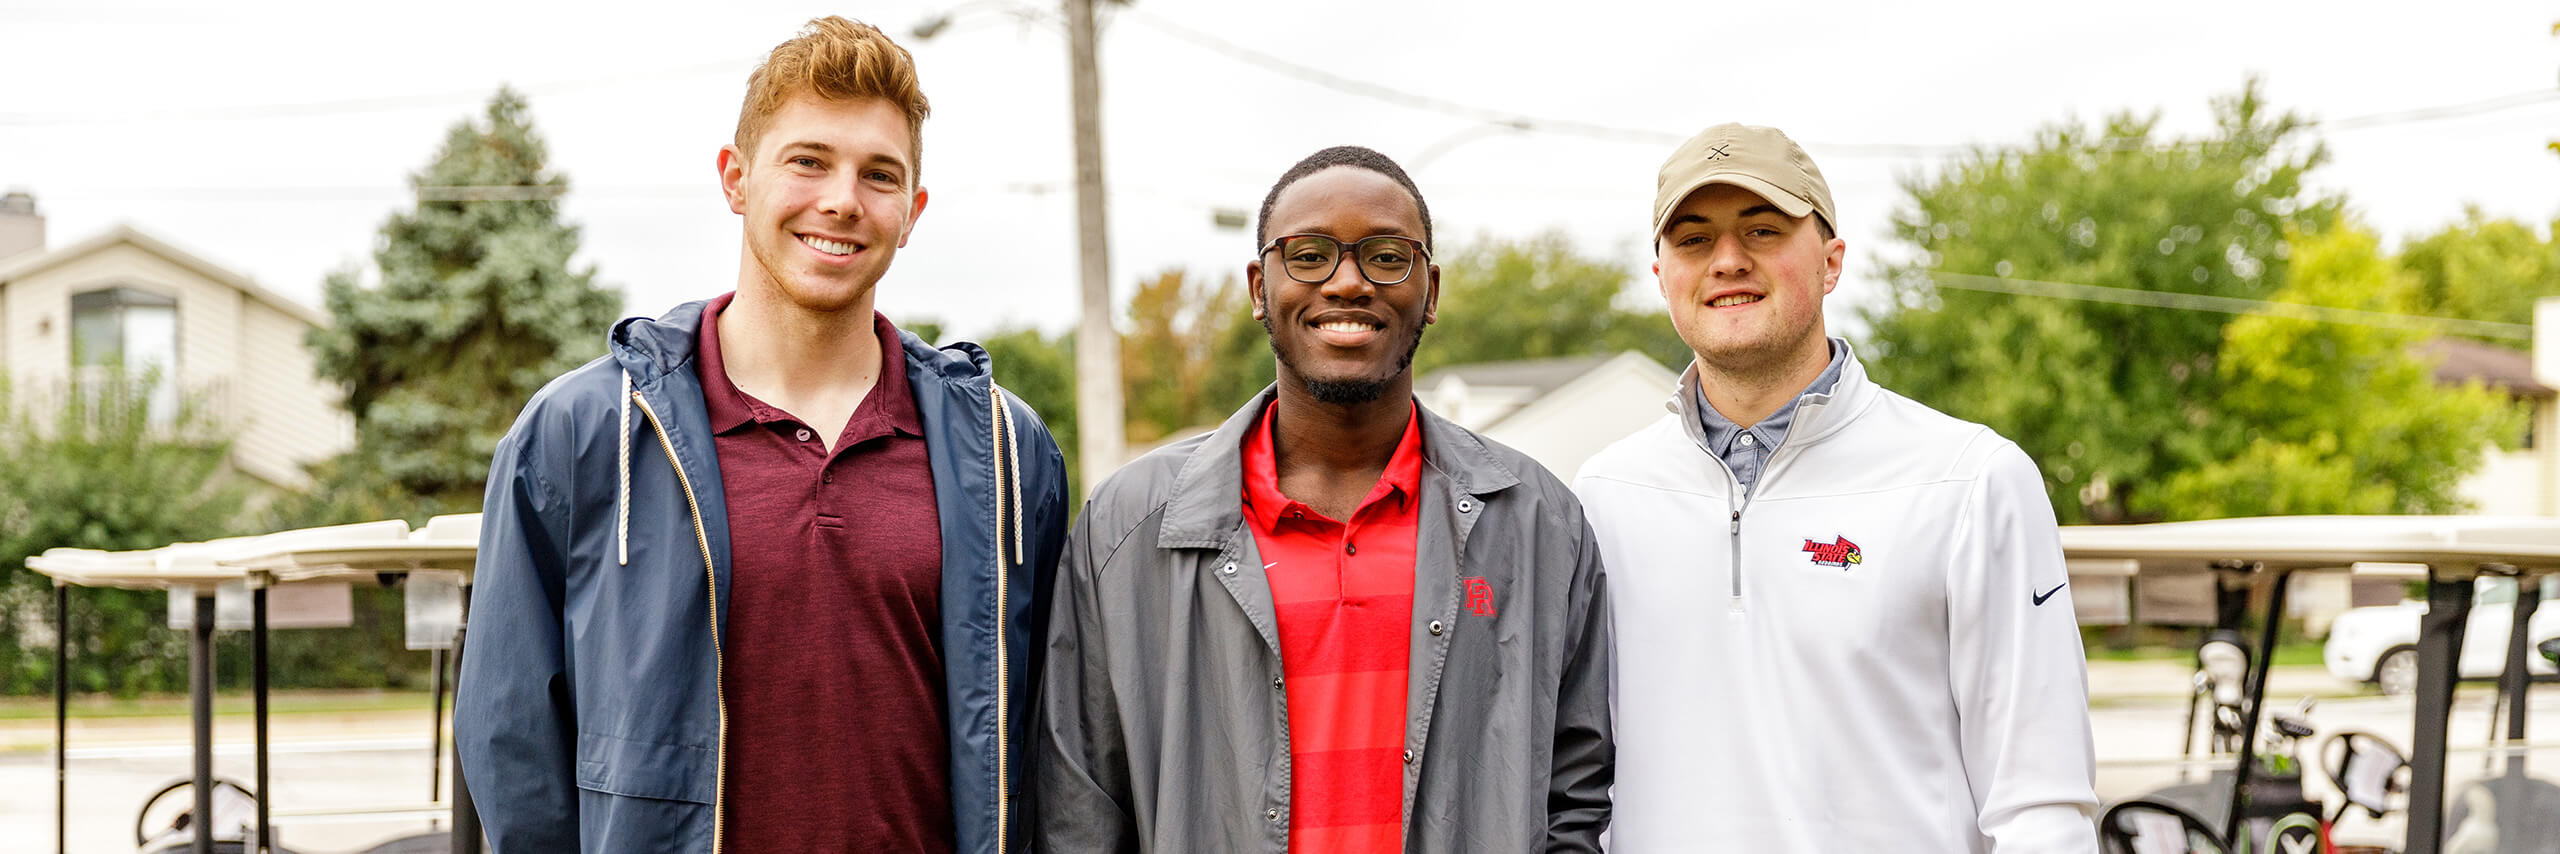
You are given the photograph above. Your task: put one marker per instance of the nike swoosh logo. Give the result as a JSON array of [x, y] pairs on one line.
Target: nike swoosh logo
[[2049, 593]]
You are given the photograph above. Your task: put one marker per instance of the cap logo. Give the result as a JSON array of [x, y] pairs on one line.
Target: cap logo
[[1718, 152]]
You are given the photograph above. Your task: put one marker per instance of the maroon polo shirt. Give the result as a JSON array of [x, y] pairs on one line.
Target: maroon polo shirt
[[831, 655]]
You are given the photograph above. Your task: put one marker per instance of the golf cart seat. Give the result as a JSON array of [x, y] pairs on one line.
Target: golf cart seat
[[2151, 827]]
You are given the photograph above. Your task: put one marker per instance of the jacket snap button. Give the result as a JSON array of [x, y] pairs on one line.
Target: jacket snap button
[[1350, 549], [1466, 506], [1408, 757], [1271, 815], [1437, 627], [1230, 568], [1275, 683]]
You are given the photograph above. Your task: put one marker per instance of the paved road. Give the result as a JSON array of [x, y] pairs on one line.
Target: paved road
[[350, 760]]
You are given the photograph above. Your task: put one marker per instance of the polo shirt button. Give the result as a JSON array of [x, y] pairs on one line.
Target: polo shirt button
[[1746, 440], [1408, 757], [1438, 627], [804, 434], [1350, 549], [1272, 814], [1230, 568], [1466, 506]]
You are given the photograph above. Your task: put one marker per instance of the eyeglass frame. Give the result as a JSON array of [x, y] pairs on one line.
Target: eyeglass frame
[[1343, 250]]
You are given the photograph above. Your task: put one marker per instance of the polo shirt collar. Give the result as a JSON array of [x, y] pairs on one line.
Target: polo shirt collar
[[731, 408], [1265, 505]]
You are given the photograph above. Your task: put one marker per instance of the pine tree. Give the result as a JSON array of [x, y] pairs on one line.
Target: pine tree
[[476, 307]]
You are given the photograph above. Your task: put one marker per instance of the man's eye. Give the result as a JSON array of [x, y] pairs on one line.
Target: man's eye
[[805, 162], [1386, 257], [1309, 256], [883, 177]]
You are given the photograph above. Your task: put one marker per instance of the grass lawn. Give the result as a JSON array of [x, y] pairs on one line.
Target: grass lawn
[[230, 702], [2288, 654]]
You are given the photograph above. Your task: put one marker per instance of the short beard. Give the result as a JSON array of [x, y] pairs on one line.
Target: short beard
[[1344, 392]]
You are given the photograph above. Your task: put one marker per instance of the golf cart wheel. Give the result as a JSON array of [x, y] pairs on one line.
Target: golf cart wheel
[[2397, 672]]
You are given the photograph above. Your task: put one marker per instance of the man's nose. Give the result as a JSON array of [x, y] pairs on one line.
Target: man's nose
[[1726, 258]]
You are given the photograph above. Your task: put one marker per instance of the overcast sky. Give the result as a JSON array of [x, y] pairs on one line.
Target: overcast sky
[[273, 138]]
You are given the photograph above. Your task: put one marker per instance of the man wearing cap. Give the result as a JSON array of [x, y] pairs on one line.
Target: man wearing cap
[[1841, 618]]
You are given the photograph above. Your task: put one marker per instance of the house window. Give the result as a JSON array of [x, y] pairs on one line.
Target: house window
[[133, 328]]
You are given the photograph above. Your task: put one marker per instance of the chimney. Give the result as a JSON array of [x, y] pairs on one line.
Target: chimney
[[21, 228]]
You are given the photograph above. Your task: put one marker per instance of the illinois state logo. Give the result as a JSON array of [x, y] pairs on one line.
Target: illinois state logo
[[1839, 552]]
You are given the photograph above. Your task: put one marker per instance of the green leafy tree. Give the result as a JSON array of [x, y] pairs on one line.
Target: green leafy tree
[[1503, 300], [2482, 269], [2112, 400], [2342, 419], [476, 307], [1041, 369], [94, 470]]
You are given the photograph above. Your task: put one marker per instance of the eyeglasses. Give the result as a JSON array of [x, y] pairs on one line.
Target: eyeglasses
[[1311, 258]]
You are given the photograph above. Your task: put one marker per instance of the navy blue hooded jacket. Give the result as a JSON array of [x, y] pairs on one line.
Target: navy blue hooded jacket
[[589, 716]]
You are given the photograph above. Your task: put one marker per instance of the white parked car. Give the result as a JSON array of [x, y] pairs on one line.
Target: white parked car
[[2380, 644]]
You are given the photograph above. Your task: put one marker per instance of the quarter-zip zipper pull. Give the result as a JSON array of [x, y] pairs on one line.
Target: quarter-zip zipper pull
[[1734, 605]]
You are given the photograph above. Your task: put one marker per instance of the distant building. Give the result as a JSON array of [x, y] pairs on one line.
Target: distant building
[[2524, 481], [125, 297], [1558, 411]]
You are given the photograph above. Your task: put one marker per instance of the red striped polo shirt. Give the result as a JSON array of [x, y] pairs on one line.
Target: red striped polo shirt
[[1345, 597]]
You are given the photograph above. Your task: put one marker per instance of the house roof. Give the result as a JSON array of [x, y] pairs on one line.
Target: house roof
[[23, 266], [1539, 376], [2462, 359]]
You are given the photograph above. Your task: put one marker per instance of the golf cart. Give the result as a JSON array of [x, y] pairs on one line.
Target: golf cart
[[2447, 553], [226, 584]]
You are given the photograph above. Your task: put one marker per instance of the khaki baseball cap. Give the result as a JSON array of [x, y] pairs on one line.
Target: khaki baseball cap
[[1760, 159]]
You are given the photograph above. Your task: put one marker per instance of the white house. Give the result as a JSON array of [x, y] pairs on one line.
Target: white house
[[1558, 411], [125, 297], [2524, 481]]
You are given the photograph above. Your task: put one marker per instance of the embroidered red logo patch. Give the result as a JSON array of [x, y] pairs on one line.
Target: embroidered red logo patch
[[1839, 552], [1479, 597]]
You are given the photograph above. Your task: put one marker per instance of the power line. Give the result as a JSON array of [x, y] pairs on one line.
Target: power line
[[1570, 127], [2233, 305]]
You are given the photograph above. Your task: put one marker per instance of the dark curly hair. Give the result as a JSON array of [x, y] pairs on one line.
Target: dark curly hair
[[1341, 155]]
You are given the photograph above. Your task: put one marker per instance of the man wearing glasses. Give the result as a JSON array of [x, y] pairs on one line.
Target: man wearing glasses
[[1339, 623]]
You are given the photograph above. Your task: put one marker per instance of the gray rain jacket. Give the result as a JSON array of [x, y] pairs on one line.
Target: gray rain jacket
[[1162, 722]]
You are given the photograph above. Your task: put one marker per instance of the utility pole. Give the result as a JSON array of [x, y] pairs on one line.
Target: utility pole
[[1100, 429]]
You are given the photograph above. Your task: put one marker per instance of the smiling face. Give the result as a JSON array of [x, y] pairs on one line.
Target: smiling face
[[1745, 281], [828, 195], [1345, 340]]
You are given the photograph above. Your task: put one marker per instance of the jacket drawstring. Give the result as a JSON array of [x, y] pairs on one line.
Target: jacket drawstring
[[622, 467], [1013, 455]]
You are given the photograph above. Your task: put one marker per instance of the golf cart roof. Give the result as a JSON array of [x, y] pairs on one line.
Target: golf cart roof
[[2378, 546], [446, 542]]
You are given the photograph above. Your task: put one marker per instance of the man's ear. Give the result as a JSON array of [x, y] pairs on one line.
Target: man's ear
[[1431, 300], [913, 214], [1837, 254], [1253, 287], [733, 172]]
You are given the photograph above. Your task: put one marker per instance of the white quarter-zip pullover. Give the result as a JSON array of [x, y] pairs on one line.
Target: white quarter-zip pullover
[[1870, 650]]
